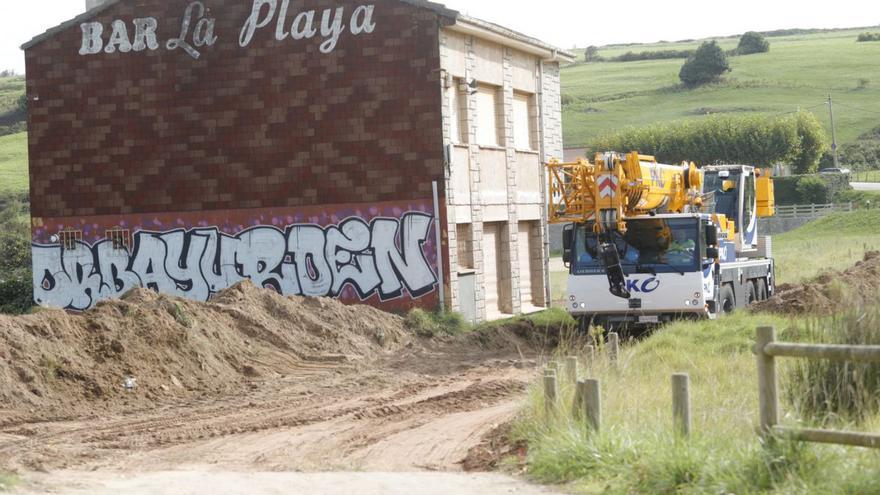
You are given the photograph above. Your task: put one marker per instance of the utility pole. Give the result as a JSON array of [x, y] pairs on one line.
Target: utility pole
[[833, 132]]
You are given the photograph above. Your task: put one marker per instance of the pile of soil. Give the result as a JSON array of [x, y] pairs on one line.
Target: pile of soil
[[828, 293], [496, 447], [54, 364]]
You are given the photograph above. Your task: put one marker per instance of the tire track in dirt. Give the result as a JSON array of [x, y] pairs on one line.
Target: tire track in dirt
[[332, 418]]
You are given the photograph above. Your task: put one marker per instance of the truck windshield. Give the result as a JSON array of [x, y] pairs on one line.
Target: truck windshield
[[726, 202], [649, 245]]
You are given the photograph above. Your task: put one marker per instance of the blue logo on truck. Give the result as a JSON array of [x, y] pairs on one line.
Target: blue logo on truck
[[637, 285]]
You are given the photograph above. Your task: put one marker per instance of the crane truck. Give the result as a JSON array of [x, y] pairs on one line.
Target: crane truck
[[647, 242]]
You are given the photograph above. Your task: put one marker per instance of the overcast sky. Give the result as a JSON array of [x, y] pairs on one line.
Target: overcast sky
[[565, 23]]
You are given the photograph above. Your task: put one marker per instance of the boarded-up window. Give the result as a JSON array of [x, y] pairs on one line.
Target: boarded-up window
[[458, 113], [523, 122], [487, 116], [465, 246]]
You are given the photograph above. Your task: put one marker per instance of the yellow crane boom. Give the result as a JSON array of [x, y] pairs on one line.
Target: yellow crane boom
[[616, 187]]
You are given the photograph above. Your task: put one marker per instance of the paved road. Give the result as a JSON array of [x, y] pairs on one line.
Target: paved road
[[866, 186], [222, 483]]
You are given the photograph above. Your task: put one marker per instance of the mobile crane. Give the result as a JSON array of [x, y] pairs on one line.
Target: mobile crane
[[647, 242]]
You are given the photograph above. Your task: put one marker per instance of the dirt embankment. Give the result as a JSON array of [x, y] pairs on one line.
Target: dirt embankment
[[830, 292], [54, 364], [253, 381]]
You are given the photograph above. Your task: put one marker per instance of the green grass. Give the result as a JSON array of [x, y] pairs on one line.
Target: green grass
[[834, 242], [14, 163], [11, 89], [637, 451], [798, 72]]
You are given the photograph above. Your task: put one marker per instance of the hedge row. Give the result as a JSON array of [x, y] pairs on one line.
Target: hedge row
[[797, 140], [810, 189]]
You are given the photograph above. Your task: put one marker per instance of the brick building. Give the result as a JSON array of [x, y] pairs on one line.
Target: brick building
[[386, 153]]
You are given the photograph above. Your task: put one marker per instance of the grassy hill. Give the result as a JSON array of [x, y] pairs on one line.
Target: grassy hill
[[798, 72], [13, 163]]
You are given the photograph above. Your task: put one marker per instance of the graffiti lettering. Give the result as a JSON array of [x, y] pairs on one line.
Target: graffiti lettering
[[384, 258]]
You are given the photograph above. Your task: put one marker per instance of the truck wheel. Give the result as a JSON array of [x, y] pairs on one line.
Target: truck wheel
[[751, 292], [762, 289], [727, 302]]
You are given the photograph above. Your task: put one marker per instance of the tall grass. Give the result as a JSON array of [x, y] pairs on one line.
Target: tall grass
[[828, 392], [637, 450]]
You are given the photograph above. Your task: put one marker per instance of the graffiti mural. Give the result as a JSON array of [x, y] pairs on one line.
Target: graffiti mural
[[383, 258]]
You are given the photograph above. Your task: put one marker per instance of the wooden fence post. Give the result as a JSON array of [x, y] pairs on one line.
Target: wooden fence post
[[681, 403], [768, 399], [592, 403], [613, 347], [550, 392], [591, 357], [578, 403], [571, 369]]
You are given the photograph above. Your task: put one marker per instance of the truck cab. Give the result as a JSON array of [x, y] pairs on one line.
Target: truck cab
[[669, 266]]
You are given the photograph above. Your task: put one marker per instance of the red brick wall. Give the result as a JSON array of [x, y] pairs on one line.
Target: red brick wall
[[273, 124]]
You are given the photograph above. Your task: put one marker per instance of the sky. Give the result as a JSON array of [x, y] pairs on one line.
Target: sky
[[564, 23]]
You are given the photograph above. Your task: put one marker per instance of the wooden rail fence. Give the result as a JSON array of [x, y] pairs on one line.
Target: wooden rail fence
[[768, 349], [811, 211], [587, 403]]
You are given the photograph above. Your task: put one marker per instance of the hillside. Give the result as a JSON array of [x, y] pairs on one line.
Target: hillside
[[798, 72], [14, 163]]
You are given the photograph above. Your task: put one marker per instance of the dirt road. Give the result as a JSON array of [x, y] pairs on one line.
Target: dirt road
[[421, 410]]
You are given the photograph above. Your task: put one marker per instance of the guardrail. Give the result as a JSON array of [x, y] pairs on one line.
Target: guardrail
[[768, 349], [811, 211]]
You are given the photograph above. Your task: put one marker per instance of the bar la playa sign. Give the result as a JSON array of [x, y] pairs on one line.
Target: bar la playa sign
[[196, 29]]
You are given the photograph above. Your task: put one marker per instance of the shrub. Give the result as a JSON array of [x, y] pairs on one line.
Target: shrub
[[812, 190], [812, 144], [753, 140], [861, 154], [752, 42], [16, 284], [822, 390], [591, 54], [868, 37], [652, 55], [430, 324], [706, 65]]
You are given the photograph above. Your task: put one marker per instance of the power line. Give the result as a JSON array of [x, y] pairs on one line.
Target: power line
[[856, 108]]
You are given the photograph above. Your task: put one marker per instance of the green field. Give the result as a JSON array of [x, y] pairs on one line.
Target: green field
[[798, 72], [13, 163], [11, 89]]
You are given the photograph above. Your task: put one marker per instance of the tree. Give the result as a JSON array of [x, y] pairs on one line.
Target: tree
[[812, 143], [592, 54], [706, 65], [752, 42]]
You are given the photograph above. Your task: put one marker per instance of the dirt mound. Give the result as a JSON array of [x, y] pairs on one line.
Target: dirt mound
[[830, 292], [54, 364], [495, 447]]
